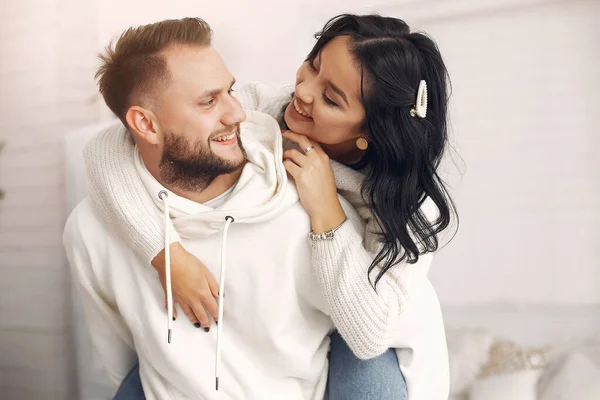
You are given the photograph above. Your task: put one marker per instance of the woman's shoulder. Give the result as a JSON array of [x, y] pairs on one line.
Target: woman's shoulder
[[347, 180], [349, 185]]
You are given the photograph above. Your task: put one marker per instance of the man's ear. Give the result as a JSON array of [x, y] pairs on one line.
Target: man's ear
[[143, 124]]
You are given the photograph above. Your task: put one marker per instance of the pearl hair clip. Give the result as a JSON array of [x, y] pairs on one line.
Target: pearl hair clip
[[420, 107]]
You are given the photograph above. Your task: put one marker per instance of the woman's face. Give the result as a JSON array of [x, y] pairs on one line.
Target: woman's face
[[326, 106]]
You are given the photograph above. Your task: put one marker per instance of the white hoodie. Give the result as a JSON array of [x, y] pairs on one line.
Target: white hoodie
[[276, 324]]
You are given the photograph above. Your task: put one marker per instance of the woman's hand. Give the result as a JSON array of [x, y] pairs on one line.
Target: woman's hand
[[315, 182], [194, 287]]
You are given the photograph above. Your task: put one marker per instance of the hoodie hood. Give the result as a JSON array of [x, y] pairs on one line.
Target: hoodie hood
[[260, 194]]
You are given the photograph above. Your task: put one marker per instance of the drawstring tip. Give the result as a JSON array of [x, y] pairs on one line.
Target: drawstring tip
[[169, 336], [216, 383]]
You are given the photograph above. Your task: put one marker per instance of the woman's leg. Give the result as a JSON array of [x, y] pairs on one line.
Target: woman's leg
[[131, 387], [351, 378]]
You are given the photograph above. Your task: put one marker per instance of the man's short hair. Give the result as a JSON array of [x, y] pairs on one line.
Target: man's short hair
[[134, 67]]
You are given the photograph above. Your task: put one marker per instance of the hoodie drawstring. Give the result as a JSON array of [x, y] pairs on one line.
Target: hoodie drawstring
[[164, 196], [228, 221]]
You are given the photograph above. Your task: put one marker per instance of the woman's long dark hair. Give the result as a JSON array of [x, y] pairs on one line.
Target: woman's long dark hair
[[404, 152]]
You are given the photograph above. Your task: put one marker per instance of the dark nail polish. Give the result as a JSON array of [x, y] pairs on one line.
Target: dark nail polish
[[174, 318], [197, 325], [206, 329], [216, 322]]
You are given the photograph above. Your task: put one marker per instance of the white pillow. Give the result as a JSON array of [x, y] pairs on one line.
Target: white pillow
[[468, 352], [573, 377], [519, 385]]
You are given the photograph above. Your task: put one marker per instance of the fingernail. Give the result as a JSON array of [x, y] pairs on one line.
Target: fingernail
[[197, 325], [216, 322], [206, 329], [174, 318]]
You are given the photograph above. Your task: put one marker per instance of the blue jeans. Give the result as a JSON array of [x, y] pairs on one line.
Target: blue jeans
[[131, 387], [349, 377]]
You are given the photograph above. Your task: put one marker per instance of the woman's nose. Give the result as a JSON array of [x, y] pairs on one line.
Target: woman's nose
[[304, 92]]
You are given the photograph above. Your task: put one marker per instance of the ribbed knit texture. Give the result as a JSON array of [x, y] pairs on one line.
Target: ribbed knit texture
[[120, 196]]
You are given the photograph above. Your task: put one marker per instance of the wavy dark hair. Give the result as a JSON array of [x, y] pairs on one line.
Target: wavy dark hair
[[404, 152]]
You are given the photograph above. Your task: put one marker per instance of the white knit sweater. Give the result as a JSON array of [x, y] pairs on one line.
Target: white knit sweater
[[404, 313]]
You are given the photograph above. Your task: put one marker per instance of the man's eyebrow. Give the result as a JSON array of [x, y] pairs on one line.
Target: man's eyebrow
[[214, 92]]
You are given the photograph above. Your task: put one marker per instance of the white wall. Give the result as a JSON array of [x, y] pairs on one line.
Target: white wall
[[525, 89], [44, 91], [526, 94]]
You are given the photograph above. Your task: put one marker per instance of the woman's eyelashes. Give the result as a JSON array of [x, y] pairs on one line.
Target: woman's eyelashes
[[328, 100]]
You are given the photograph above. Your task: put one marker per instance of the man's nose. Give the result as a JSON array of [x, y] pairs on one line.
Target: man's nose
[[234, 113]]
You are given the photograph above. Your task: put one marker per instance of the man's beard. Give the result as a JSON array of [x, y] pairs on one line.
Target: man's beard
[[192, 166]]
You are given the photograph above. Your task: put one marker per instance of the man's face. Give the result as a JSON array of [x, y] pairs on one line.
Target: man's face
[[199, 119]]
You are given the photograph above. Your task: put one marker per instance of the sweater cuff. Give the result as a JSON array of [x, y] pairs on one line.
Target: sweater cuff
[[153, 245], [344, 237], [328, 255]]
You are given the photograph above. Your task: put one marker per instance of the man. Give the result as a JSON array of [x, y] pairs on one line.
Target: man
[[173, 93]]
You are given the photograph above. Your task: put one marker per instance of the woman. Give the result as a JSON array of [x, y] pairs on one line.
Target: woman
[[368, 116]]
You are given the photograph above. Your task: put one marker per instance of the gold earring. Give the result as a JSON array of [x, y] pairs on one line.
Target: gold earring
[[362, 143]]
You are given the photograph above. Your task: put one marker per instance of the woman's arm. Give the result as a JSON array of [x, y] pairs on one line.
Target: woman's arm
[[367, 319], [123, 203], [119, 195]]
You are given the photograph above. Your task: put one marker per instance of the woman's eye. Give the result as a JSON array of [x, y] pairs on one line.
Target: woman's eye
[[311, 64], [329, 101], [209, 102]]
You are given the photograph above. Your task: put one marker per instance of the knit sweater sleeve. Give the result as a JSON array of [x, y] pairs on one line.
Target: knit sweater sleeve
[[367, 319], [119, 195], [268, 99]]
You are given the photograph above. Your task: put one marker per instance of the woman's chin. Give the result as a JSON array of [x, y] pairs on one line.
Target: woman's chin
[[294, 123]]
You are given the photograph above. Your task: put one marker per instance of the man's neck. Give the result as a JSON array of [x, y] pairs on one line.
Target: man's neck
[[217, 187]]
